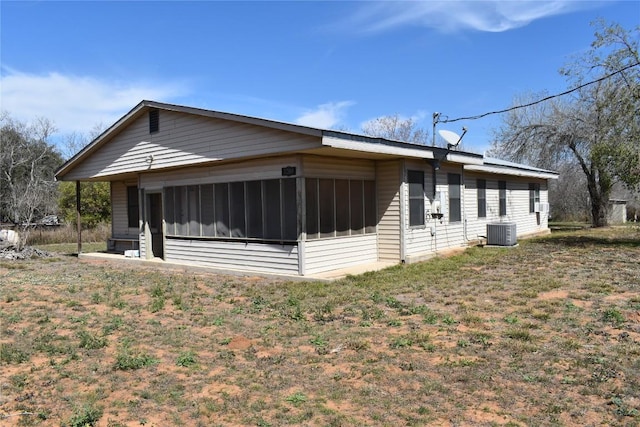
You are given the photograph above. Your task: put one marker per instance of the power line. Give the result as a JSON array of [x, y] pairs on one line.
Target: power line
[[479, 116]]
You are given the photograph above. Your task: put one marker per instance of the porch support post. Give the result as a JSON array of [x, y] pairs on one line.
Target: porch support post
[[78, 218]]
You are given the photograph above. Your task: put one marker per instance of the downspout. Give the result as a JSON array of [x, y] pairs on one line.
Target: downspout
[[435, 166], [464, 211], [403, 204]]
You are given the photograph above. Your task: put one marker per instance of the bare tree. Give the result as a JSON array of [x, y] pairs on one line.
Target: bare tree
[[597, 128], [27, 165], [76, 141], [396, 128]]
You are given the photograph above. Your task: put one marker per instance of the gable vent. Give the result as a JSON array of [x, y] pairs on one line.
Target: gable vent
[[154, 120]]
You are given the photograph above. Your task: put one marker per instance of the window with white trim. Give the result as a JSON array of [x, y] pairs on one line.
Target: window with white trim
[[415, 179], [502, 194], [482, 197], [133, 207], [534, 196], [455, 203]]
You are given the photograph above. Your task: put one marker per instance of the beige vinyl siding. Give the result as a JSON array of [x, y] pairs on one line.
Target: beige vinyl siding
[[233, 255], [478, 226], [388, 182], [340, 252], [339, 168], [119, 215], [436, 234], [267, 168], [449, 234], [517, 204], [417, 239], [185, 139]]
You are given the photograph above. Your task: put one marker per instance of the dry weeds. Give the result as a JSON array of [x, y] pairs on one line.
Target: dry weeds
[[544, 334]]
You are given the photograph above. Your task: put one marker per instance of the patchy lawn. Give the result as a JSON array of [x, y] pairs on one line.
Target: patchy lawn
[[547, 333]]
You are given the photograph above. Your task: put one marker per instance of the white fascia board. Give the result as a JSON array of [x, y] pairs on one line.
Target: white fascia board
[[510, 171], [461, 158], [368, 147]]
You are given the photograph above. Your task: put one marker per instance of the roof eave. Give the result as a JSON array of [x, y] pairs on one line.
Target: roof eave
[[359, 143], [135, 112], [512, 171], [98, 141]]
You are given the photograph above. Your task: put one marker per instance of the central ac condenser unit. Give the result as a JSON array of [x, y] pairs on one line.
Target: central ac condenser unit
[[501, 234]]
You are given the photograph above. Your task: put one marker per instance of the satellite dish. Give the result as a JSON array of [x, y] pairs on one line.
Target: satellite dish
[[450, 137]]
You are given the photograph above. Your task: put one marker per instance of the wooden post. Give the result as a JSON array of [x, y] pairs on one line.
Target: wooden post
[[78, 217]]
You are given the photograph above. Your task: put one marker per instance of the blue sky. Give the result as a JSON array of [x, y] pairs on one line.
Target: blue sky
[[327, 64]]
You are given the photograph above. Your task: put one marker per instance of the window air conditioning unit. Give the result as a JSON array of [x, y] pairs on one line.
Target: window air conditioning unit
[[501, 234], [541, 207]]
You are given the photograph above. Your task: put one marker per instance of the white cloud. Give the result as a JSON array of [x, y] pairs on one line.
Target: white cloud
[[75, 103], [325, 116], [451, 16]]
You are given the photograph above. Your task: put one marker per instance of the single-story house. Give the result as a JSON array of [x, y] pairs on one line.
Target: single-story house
[[207, 188]]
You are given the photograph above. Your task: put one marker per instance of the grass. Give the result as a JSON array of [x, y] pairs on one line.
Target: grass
[[542, 334], [68, 233]]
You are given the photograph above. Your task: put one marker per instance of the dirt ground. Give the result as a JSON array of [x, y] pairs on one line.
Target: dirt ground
[[544, 334]]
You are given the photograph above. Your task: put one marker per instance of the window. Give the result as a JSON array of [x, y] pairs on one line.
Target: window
[[133, 207], [181, 210], [272, 209], [311, 208], [169, 216], [416, 197], [534, 196], [343, 220], [370, 211], [237, 219], [254, 209], [356, 208], [288, 201], [221, 197], [264, 210], [502, 194], [482, 198], [339, 207], [455, 214], [207, 213], [154, 120], [327, 207], [194, 210]]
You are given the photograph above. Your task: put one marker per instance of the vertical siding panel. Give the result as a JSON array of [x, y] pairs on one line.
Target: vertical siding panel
[[477, 226], [388, 183], [119, 220]]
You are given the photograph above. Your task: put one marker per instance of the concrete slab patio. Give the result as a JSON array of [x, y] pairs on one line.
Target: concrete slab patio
[[160, 263]]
